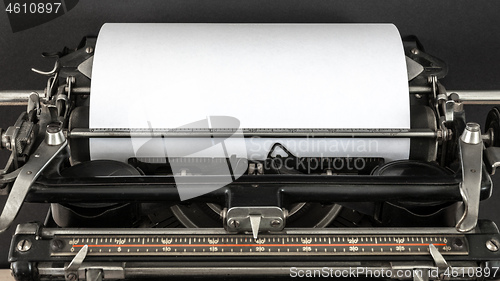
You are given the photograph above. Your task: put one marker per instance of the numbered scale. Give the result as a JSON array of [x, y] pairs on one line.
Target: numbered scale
[[228, 245]]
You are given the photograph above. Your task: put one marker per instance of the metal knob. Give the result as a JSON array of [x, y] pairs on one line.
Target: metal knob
[[54, 134], [472, 133]]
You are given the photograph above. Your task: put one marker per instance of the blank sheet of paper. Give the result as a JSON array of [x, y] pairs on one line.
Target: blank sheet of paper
[[265, 75]]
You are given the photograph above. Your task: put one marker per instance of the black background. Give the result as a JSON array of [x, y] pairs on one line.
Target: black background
[[465, 34]]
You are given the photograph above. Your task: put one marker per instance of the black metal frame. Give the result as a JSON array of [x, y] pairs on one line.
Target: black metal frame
[[277, 190]]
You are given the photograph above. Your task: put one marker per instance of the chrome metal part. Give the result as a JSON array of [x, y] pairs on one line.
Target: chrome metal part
[[27, 228], [438, 258], [54, 135], [28, 174], [255, 219], [472, 134], [24, 245], [488, 137], [478, 97], [466, 96], [449, 110], [78, 90], [182, 133], [71, 271], [255, 224], [471, 154], [419, 89], [492, 245], [18, 97]]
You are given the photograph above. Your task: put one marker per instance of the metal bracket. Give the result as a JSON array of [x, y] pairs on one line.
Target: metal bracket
[[255, 219], [449, 110], [54, 143], [438, 258], [102, 271], [471, 154], [77, 270]]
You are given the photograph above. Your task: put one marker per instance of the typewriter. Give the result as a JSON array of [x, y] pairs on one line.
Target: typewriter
[[127, 220]]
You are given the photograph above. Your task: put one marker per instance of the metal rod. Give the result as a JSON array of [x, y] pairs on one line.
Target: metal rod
[[20, 97], [477, 97], [79, 90], [17, 97], [188, 133], [420, 89]]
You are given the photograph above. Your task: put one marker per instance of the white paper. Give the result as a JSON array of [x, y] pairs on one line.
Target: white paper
[[265, 75]]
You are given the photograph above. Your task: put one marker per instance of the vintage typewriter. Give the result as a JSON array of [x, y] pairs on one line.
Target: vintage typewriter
[[121, 220]]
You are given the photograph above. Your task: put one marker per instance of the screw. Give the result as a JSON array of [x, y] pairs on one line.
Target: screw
[[233, 223], [492, 245], [414, 51], [458, 243], [29, 172], [89, 50], [24, 245], [71, 277], [57, 244], [275, 223]]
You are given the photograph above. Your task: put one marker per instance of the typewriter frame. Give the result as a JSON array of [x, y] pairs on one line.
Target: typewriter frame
[[23, 179]]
